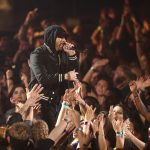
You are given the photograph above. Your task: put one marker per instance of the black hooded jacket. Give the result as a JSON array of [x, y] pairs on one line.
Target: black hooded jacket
[[48, 66], [51, 33]]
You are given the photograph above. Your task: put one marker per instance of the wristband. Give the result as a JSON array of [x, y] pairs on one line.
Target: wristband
[[120, 133], [65, 106], [93, 69]]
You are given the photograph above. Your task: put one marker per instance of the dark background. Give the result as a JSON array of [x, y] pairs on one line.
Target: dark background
[[60, 10]]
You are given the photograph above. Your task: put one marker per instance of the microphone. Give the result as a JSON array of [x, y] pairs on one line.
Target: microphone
[[69, 46]]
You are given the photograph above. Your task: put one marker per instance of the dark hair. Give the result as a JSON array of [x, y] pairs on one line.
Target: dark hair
[[13, 89], [15, 117], [92, 101], [125, 110], [2, 120], [88, 86], [103, 76], [129, 145], [110, 134], [19, 144]]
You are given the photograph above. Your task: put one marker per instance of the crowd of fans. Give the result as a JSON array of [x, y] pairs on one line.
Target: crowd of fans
[[108, 108]]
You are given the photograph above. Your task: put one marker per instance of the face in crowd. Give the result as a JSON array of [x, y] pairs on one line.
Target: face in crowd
[[19, 95], [118, 113], [101, 87]]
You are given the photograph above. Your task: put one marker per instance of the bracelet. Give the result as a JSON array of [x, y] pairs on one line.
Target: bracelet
[[93, 69], [65, 106], [120, 133], [79, 129]]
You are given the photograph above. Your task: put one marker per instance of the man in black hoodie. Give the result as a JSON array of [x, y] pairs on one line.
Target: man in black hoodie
[[53, 66]]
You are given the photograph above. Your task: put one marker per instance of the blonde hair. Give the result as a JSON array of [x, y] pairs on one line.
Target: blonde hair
[[19, 131], [40, 130]]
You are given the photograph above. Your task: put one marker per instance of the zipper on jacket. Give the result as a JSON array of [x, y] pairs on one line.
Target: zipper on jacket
[[59, 61]]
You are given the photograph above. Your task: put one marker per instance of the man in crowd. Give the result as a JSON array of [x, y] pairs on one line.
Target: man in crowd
[[53, 66]]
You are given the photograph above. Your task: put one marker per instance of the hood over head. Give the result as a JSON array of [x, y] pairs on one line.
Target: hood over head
[[51, 33]]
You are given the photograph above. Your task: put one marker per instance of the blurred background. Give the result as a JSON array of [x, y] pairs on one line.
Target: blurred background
[[12, 12], [112, 38]]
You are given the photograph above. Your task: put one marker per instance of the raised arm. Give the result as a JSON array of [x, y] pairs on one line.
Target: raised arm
[[136, 141], [94, 68], [33, 97], [95, 34], [101, 135], [9, 79], [138, 102], [118, 128], [141, 55], [22, 33], [73, 62]]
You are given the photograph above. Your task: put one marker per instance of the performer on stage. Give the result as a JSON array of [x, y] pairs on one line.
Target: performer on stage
[[53, 65]]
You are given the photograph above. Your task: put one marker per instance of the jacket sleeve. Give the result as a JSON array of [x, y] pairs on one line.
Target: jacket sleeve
[[73, 63], [41, 73]]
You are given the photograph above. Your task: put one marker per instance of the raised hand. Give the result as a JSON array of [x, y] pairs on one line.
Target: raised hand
[[9, 74], [128, 126], [69, 96], [84, 139], [34, 95], [117, 125], [71, 75], [128, 133], [143, 82], [101, 122], [90, 114], [95, 125], [100, 63], [110, 115], [31, 15], [133, 86]]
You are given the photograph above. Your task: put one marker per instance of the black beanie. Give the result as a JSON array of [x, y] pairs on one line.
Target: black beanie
[[51, 33]]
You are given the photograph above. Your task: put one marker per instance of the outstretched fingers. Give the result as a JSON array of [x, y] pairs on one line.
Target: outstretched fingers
[[39, 89], [34, 87]]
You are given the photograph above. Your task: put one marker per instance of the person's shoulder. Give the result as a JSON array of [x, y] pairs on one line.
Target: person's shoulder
[[38, 50]]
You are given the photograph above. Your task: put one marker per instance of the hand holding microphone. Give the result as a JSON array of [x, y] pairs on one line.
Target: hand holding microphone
[[69, 49], [71, 75]]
